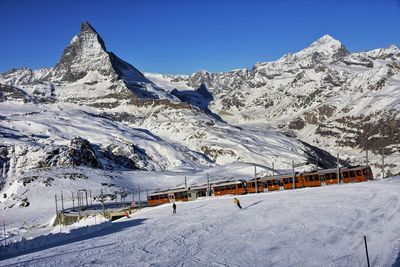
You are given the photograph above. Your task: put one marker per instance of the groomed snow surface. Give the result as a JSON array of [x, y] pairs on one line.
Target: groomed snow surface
[[307, 227]]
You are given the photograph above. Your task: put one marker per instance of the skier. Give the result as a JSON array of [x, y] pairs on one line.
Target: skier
[[174, 208], [237, 202], [127, 214]]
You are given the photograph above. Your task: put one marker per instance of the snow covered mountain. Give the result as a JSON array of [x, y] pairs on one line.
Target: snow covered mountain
[[94, 118], [343, 102]]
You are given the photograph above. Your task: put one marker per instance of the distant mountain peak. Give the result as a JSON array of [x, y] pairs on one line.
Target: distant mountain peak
[[326, 47], [326, 38]]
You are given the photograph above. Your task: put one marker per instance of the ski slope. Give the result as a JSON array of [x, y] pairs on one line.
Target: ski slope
[[306, 227]]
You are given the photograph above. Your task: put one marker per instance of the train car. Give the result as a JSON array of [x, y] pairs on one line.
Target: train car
[[251, 186], [328, 176], [356, 174], [197, 191], [284, 181], [229, 188], [311, 179], [162, 197]]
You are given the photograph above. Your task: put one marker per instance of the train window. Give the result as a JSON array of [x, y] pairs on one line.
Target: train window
[[316, 177], [240, 185], [352, 174], [358, 173], [345, 175], [297, 180], [333, 176], [310, 178], [365, 171]]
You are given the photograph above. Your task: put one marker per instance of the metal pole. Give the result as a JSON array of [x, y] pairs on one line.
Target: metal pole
[[185, 182], [208, 186], [73, 200], [366, 250], [102, 200], [133, 197], [79, 203], [366, 158], [56, 203], [337, 169], [255, 179], [140, 204], [87, 204], [294, 175], [273, 168], [62, 202], [383, 165], [5, 236], [316, 161]]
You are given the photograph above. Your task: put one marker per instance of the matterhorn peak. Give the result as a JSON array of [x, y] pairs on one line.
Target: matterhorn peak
[[86, 27], [86, 52]]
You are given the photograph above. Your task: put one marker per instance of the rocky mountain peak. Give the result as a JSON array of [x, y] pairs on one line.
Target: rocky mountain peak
[[86, 52], [328, 47], [86, 27]]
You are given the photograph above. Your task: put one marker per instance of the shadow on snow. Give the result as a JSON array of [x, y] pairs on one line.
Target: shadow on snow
[[114, 228]]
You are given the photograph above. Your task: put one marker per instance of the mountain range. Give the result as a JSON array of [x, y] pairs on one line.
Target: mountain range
[[95, 115]]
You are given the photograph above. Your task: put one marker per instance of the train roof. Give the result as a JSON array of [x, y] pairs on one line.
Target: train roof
[[287, 175], [176, 190], [226, 183], [198, 187], [335, 169]]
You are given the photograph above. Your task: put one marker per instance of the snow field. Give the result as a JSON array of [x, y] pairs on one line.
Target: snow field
[[307, 227]]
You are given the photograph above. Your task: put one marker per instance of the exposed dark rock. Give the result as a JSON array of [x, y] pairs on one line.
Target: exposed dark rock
[[297, 124], [11, 93]]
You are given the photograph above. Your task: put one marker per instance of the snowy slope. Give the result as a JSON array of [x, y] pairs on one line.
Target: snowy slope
[[309, 227]]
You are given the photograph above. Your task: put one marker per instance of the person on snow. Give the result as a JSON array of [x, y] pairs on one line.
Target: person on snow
[[173, 208], [127, 214], [237, 202]]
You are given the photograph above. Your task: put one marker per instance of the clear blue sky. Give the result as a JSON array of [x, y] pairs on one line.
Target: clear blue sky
[[170, 36]]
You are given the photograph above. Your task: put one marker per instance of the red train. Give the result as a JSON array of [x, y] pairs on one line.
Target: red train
[[267, 183]]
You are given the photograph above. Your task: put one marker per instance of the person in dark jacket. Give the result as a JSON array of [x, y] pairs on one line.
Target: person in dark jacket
[[174, 208], [237, 202]]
